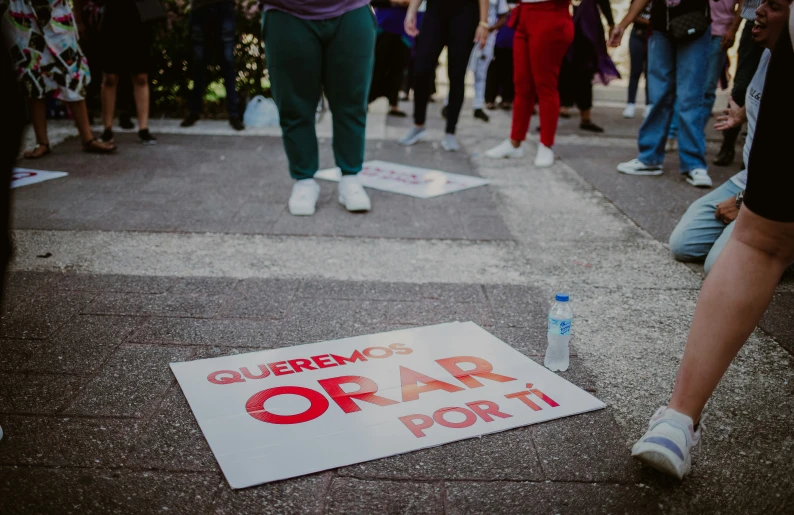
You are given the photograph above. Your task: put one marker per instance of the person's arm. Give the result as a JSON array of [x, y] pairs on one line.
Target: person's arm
[[606, 10], [730, 37], [410, 19], [481, 35], [616, 34]]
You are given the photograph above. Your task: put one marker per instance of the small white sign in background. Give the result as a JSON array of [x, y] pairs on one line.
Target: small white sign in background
[[282, 413], [407, 180], [26, 176]]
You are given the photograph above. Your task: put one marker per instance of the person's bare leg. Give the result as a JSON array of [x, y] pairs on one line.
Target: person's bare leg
[[38, 118], [140, 85], [110, 83], [734, 297], [586, 116], [80, 115]]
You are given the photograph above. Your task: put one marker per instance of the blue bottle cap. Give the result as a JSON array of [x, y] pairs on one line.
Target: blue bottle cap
[[561, 297]]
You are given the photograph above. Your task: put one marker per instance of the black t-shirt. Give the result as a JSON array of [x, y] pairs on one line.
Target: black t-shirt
[[659, 11]]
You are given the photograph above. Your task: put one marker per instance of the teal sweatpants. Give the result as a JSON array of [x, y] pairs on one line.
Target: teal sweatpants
[[308, 57]]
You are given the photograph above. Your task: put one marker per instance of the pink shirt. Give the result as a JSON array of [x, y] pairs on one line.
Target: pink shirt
[[722, 14]]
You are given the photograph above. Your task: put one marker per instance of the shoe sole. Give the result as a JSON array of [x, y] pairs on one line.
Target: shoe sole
[[354, 209], [412, 141], [543, 165], [450, 149], [632, 171], [659, 458], [699, 184], [301, 212]]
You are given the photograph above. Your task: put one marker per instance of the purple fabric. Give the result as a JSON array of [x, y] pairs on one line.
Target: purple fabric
[[587, 23], [504, 38], [390, 19], [314, 9]]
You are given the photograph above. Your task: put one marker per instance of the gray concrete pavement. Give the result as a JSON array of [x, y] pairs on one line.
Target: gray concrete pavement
[[207, 263]]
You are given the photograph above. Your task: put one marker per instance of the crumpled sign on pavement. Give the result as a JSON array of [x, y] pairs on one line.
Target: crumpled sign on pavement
[[282, 413], [26, 176], [407, 180]]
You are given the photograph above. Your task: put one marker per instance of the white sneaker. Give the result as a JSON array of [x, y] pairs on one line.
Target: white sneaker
[[506, 150], [413, 136], [667, 444], [352, 194], [545, 156], [450, 143], [637, 167], [630, 111], [671, 145], [303, 200], [699, 177], [647, 110]]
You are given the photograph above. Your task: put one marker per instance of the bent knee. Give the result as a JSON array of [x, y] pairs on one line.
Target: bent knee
[[110, 80], [140, 79]]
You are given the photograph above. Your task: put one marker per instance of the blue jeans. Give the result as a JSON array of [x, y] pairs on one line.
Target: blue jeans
[[676, 74], [222, 15], [699, 235], [716, 64]]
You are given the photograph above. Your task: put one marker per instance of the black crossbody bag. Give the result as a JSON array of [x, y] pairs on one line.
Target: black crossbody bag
[[689, 26]]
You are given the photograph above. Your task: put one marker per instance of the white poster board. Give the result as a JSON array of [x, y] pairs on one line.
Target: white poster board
[[282, 413], [26, 176], [407, 180]]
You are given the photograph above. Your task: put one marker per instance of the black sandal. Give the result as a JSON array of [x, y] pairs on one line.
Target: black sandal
[[94, 146], [31, 154]]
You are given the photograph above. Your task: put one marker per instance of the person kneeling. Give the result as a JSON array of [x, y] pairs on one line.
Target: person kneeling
[[708, 223]]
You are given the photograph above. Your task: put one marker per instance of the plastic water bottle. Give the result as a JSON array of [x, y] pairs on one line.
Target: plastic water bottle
[[560, 320]]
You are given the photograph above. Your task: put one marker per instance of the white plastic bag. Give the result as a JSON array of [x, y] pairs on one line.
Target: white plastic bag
[[261, 112]]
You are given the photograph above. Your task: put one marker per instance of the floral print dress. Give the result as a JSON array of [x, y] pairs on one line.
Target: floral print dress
[[44, 48]]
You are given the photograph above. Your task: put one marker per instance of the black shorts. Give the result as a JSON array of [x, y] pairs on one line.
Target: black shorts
[[770, 172], [125, 42]]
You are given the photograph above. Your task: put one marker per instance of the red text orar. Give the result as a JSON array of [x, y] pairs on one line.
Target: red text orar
[[413, 384]]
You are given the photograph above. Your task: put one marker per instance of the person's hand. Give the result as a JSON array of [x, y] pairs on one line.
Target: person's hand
[[728, 40], [410, 23], [727, 211], [730, 118], [481, 36], [616, 36]]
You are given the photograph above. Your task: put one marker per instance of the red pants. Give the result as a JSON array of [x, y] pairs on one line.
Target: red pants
[[543, 34]]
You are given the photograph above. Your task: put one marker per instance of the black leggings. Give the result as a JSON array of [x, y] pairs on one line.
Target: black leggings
[[450, 23], [391, 58], [576, 77], [500, 76], [770, 175]]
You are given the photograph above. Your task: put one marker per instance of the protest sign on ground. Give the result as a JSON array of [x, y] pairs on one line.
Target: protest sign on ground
[[291, 411], [407, 180], [26, 176]]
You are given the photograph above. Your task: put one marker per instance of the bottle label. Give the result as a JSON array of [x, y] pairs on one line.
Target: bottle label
[[559, 327]]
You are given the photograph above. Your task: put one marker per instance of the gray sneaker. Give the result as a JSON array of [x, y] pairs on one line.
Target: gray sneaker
[[413, 136], [450, 143]]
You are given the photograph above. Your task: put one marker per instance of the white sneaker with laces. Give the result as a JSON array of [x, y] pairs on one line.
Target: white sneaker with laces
[[671, 145], [506, 150], [699, 177], [647, 110], [545, 156], [630, 111], [352, 194], [667, 444], [303, 200], [637, 167]]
